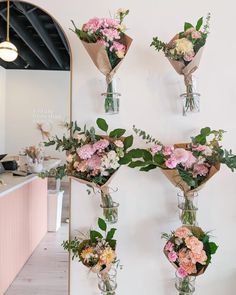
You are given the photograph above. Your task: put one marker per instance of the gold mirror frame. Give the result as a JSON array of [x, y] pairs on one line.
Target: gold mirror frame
[[70, 114]]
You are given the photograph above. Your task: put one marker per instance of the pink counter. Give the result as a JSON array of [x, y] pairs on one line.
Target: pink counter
[[23, 223]]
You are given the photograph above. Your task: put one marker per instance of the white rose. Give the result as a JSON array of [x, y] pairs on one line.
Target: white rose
[[183, 46]]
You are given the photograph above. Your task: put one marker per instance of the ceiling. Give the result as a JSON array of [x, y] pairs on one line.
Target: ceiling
[[40, 42]]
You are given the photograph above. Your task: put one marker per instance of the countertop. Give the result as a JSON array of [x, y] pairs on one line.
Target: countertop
[[12, 183]]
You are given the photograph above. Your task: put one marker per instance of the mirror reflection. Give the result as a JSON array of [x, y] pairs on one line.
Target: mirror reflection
[[35, 104]]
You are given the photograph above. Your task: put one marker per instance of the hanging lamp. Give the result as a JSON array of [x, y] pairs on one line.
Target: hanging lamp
[[8, 51]]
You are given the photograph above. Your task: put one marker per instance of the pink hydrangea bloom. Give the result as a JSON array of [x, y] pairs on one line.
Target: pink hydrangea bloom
[[156, 148], [200, 169], [190, 161], [111, 34], [171, 163], [180, 155], [182, 272], [168, 150], [93, 25], [101, 144], [172, 256], [86, 151], [94, 163], [169, 246], [110, 22]]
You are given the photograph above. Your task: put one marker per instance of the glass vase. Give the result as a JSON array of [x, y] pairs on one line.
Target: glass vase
[[188, 206], [110, 208], [185, 286], [191, 102], [111, 98], [107, 282]]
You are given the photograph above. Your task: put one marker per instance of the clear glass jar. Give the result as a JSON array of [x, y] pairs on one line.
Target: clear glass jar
[[107, 282], [112, 98], [191, 102], [185, 286], [188, 206], [110, 208]]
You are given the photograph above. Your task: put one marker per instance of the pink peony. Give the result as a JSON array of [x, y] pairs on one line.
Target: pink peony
[[86, 151], [111, 34], [200, 258], [194, 244], [189, 56], [200, 169], [182, 232], [156, 148], [171, 163], [102, 144], [172, 256], [196, 35], [94, 163], [168, 150], [182, 272], [169, 246]]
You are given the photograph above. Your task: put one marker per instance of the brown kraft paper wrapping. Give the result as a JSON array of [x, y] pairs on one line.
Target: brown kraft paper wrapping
[[176, 180], [188, 70], [99, 56]]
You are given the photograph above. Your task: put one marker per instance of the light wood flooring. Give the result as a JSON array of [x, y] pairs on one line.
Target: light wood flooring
[[46, 271]]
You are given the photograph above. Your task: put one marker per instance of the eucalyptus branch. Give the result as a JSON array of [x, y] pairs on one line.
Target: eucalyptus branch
[[146, 137]]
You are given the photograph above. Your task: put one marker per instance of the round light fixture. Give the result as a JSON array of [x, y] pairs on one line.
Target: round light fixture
[[8, 51]]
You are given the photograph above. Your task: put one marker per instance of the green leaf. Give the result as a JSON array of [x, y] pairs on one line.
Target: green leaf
[[159, 159], [187, 178], [49, 143], [117, 133], [102, 124], [148, 168], [125, 160], [206, 131], [147, 156], [187, 26], [199, 24], [94, 235], [128, 142], [112, 244], [137, 164], [110, 234], [102, 224], [135, 153], [213, 247]]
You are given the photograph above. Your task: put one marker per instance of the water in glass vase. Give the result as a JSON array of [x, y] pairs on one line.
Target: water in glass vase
[[107, 282], [188, 206], [185, 286], [111, 99], [110, 208]]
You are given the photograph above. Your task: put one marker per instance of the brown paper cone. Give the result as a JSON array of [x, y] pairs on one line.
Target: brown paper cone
[[99, 56], [176, 180], [188, 70]]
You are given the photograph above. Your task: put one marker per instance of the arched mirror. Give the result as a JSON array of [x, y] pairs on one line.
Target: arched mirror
[[35, 103]]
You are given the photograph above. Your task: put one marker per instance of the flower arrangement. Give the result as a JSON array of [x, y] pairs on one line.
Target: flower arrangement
[[93, 159], [184, 53], [188, 166], [107, 44], [34, 153], [97, 251], [190, 251]]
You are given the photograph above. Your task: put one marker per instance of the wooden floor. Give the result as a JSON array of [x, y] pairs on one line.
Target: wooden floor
[[46, 271]]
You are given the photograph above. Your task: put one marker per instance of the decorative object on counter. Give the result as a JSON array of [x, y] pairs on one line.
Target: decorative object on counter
[[190, 251], [45, 129], [35, 158], [107, 44], [93, 159], [184, 53], [188, 166], [97, 251]]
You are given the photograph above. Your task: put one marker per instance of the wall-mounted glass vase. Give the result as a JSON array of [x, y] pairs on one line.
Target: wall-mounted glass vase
[[185, 286], [111, 98], [107, 282], [109, 207], [188, 206]]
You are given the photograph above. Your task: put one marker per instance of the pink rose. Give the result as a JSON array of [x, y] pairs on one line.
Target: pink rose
[[171, 163], [194, 244], [119, 143], [86, 151], [102, 144], [200, 169], [182, 272], [169, 246], [189, 267], [168, 150], [196, 35], [156, 148], [189, 56], [172, 256], [200, 258], [182, 232]]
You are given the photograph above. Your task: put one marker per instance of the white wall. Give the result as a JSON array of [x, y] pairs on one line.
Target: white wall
[[2, 109], [150, 96], [34, 97]]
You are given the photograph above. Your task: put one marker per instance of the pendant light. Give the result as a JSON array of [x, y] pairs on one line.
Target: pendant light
[[8, 51]]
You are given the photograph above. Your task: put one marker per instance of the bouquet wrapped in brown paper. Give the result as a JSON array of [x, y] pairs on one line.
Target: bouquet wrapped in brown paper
[[184, 52], [190, 251], [107, 44], [93, 159], [187, 166]]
